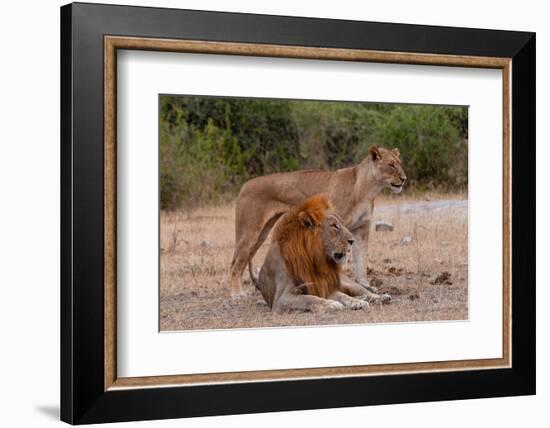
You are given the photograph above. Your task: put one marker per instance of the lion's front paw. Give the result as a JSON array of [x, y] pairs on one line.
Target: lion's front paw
[[366, 284], [359, 304], [333, 305], [383, 299]]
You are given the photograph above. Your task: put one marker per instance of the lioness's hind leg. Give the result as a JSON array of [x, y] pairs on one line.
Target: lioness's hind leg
[[242, 257], [242, 252]]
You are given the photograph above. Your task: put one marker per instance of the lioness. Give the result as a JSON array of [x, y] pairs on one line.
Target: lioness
[[302, 268], [352, 190]]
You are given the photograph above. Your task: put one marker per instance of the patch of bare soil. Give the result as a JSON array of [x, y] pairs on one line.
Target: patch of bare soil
[[426, 274]]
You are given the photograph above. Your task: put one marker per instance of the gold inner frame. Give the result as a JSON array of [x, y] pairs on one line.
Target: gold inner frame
[[112, 43]]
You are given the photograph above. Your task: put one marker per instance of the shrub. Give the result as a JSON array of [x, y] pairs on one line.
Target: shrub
[[433, 150], [209, 145]]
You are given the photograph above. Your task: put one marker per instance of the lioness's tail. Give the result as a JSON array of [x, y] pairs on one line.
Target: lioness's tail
[[254, 277]]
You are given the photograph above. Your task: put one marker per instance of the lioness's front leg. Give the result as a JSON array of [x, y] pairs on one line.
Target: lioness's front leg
[[348, 301], [360, 255]]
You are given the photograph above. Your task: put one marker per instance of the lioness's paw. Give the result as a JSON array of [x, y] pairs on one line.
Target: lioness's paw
[[359, 304]]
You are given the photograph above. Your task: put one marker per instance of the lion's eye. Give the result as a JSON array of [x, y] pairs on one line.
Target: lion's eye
[[335, 226]]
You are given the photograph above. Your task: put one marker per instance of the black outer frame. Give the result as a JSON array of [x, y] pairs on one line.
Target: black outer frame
[[83, 399]]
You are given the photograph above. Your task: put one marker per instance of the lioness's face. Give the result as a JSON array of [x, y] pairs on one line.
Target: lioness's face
[[337, 239], [388, 164]]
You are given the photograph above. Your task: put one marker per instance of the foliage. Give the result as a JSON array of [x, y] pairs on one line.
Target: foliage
[[209, 146], [433, 145]]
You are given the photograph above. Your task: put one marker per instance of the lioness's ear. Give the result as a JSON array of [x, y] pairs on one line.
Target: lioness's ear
[[305, 219], [374, 153], [396, 153]]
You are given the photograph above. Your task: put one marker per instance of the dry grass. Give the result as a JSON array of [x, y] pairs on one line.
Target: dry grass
[[197, 247]]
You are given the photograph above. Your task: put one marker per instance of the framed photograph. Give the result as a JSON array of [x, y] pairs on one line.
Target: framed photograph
[[266, 213]]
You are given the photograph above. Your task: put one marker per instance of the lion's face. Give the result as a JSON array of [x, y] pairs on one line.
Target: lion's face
[[388, 167], [314, 244], [337, 239]]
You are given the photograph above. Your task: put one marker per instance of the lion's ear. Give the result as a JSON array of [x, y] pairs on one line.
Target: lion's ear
[[306, 220], [374, 153], [397, 153], [301, 289]]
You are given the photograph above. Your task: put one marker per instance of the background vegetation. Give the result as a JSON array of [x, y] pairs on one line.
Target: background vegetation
[[210, 146]]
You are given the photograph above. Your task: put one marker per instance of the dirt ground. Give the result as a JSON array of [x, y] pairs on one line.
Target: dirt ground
[[422, 264]]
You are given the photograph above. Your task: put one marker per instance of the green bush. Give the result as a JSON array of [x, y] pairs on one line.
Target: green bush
[[196, 163], [210, 146], [433, 146]]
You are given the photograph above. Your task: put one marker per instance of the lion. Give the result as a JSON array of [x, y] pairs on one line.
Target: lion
[[302, 269], [263, 200]]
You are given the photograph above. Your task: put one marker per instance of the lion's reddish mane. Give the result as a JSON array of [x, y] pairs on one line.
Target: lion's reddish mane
[[299, 235]]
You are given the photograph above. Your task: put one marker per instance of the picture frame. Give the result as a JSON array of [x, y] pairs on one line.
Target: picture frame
[[91, 391]]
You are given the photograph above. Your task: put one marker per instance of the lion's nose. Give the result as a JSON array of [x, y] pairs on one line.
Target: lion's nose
[[351, 241]]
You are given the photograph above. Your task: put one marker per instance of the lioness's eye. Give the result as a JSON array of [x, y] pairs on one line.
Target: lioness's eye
[[335, 226]]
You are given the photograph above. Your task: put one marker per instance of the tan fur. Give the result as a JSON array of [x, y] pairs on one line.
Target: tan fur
[[351, 190], [302, 268]]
